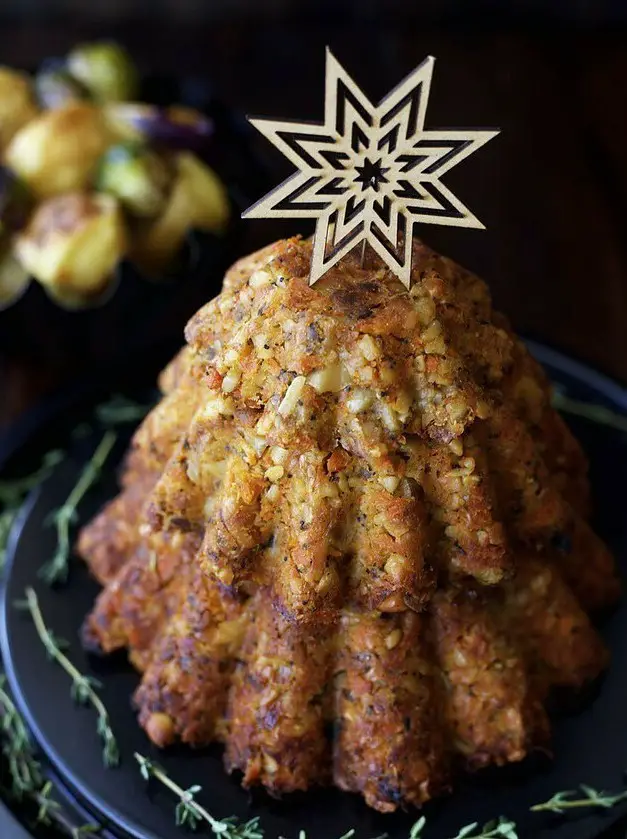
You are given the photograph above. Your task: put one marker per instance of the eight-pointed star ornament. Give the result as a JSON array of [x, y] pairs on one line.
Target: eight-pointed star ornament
[[369, 172]]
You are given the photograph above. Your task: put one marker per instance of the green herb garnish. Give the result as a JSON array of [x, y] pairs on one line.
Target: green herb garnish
[[417, 828], [585, 796], [17, 747], [56, 569], [500, 828], [12, 496], [14, 490], [27, 780], [51, 812], [120, 410], [189, 812], [47, 805], [83, 688], [85, 830], [598, 414]]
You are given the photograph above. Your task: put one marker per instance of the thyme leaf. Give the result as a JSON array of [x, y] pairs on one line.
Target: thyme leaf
[[588, 797], [46, 804], [417, 828], [56, 569], [83, 687]]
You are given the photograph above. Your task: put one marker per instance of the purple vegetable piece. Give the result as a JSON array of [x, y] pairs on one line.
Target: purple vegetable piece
[[177, 128]]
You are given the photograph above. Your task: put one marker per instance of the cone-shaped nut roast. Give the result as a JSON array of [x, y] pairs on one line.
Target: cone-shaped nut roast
[[351, 542]]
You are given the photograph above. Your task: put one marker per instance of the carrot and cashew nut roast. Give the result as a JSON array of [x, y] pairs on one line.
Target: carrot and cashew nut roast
[[351, 542]]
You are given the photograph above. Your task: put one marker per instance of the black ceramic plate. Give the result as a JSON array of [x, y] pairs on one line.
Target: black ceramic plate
[[590, 746]]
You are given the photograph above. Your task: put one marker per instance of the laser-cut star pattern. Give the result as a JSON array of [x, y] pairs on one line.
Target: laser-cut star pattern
[[369, 172]]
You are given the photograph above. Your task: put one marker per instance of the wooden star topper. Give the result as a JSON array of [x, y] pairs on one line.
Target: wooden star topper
[[369, 172]]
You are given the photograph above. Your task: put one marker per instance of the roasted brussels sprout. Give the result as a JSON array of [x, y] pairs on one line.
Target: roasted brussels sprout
[[72, 244], [105, 69], [175, 128], [15, 202], [55, 87], [17, 105], [57, 152], [14, 279], [138, 177], [198, 200]]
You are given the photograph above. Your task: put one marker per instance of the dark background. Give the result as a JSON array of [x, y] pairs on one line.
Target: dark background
[[481, 13], [551, 189]]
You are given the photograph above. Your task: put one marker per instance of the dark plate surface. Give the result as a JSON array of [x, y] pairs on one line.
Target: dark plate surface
[[590, 746]]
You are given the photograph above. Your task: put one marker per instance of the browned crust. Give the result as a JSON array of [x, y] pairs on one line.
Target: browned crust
[[391, 745], [351, 542], [493, 712]]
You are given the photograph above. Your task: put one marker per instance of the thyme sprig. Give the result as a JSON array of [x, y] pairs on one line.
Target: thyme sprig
[[17, 747], [47, 804], [7, 517], [25, 771], [189, 812], [120, 410], [50, 812], [598, 414], [83, 688], [14, 490], [302, 834], [85, 830], [588, 797], [13, 494], [500, 828], [56, 569], [27, 779]]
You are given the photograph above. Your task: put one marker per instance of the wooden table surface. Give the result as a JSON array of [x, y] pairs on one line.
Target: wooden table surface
[[552, 189]]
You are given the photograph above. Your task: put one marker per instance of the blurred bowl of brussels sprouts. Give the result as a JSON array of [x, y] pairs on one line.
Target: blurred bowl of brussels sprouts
[[119, 199]]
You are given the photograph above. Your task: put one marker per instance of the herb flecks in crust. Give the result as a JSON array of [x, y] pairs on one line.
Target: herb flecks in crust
[[352, 540]]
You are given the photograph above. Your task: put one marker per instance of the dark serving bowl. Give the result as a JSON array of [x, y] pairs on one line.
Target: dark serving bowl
[[143, 317]]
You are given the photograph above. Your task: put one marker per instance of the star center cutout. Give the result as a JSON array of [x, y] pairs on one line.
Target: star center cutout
[[369, 172]]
